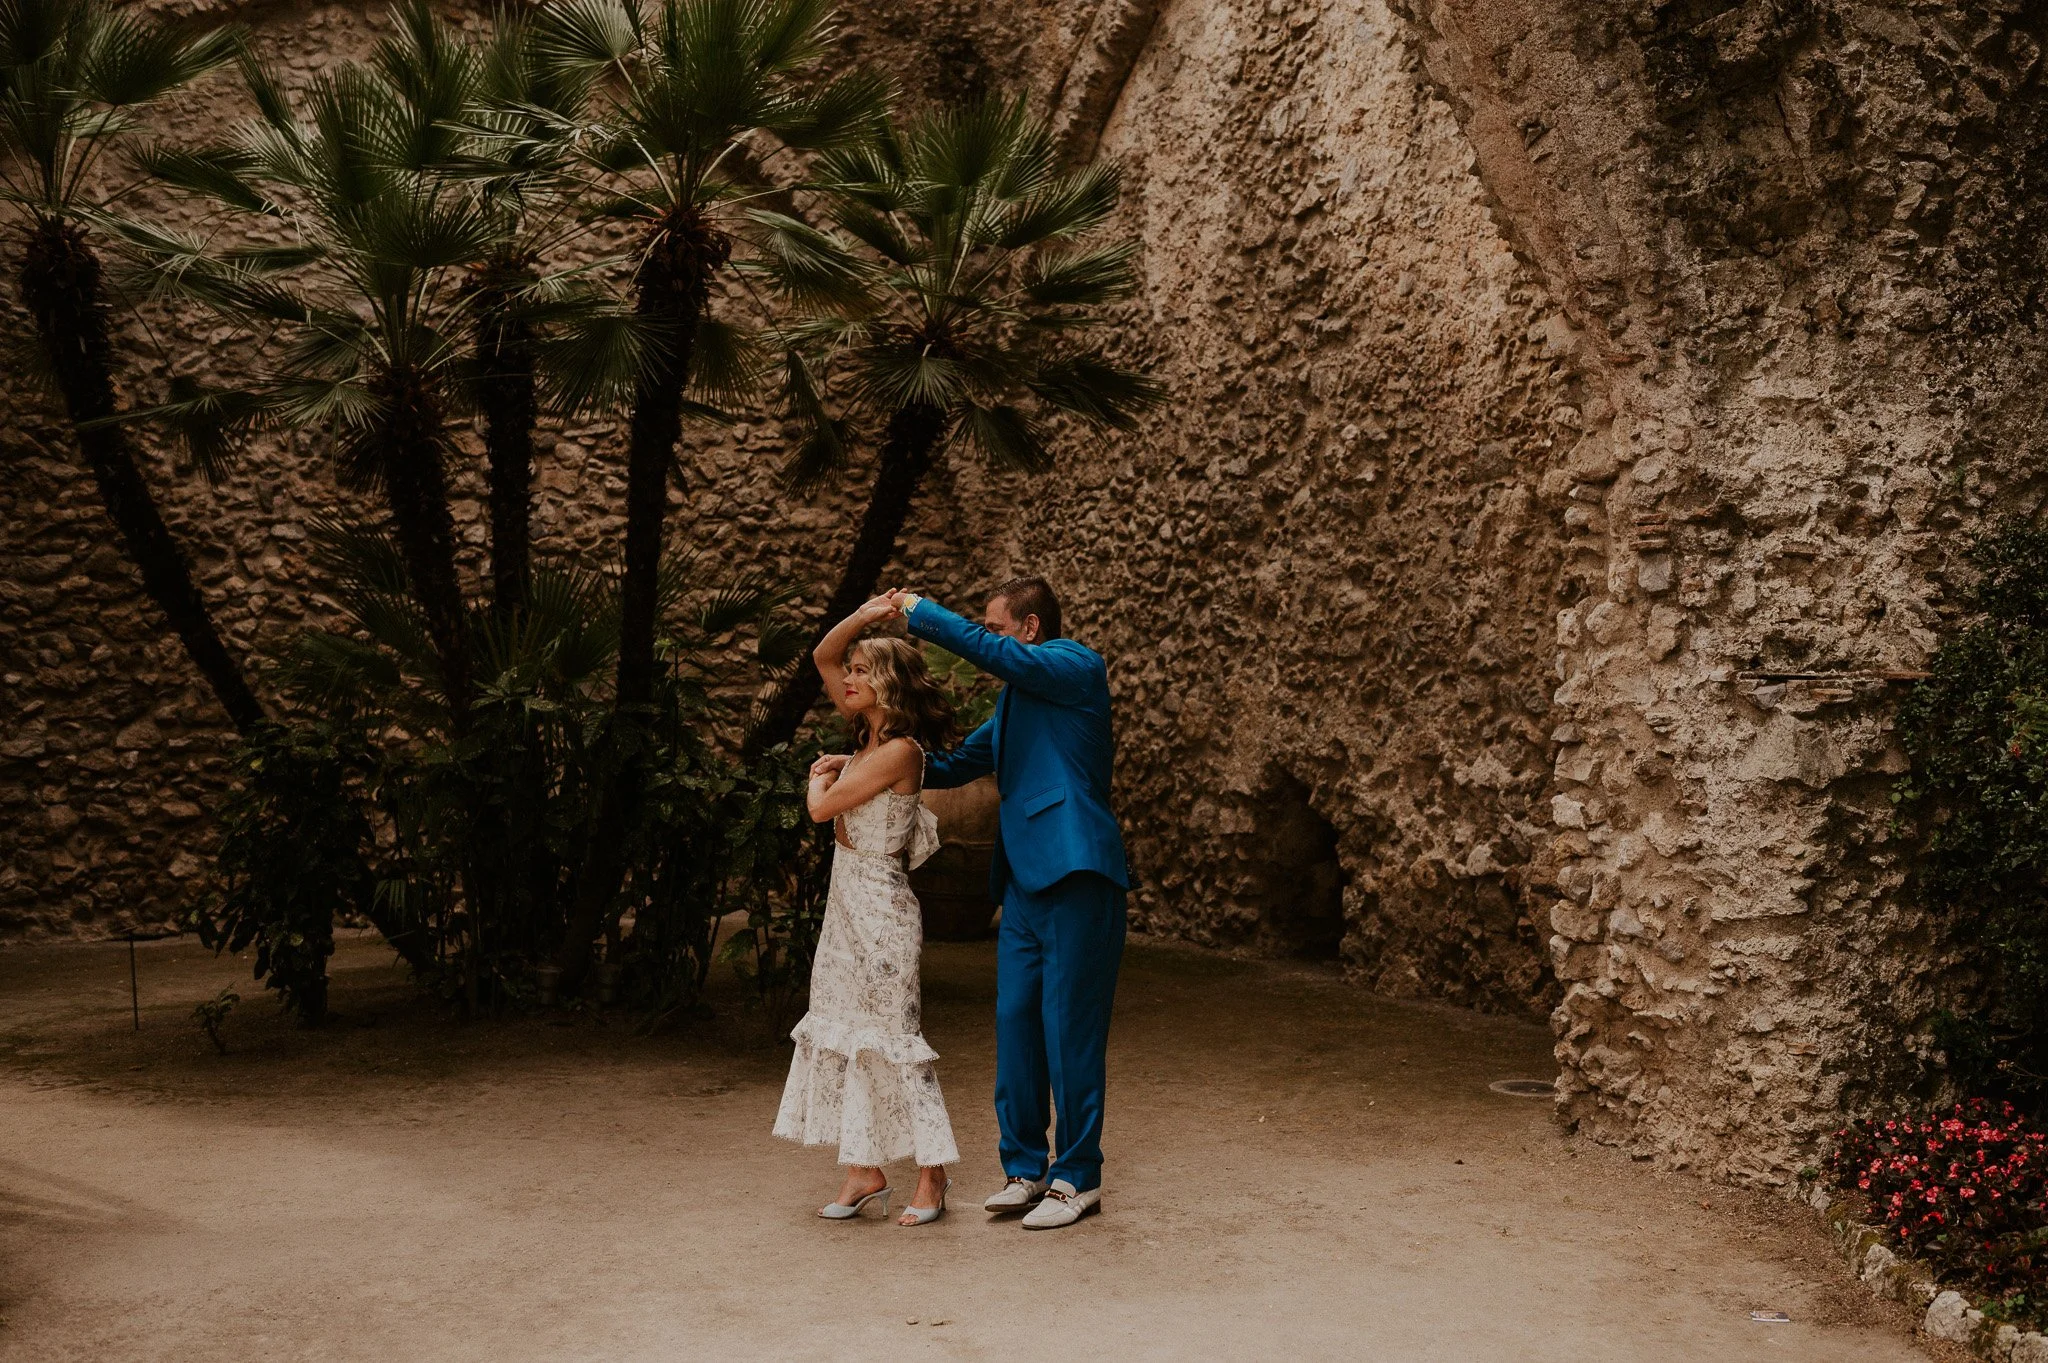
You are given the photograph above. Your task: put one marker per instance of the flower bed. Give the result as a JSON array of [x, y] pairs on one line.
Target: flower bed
[[1963, 1191]]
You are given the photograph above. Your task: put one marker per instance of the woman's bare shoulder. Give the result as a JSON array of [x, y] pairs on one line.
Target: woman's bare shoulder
[[901, 752]]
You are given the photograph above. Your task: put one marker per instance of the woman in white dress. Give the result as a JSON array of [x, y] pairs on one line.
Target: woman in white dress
[[862, 1078]]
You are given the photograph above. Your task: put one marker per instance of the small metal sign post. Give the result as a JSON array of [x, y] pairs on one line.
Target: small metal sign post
[[134, 991]]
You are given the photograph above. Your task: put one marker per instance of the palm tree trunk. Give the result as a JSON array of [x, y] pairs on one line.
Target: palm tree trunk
[[907, 448], [506, 389], [415, 472], [505, 382], [672, 288], [60, 281], [673, 285]]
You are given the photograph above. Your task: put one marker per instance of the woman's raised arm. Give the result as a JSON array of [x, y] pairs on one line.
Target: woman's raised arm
[[829, 657]]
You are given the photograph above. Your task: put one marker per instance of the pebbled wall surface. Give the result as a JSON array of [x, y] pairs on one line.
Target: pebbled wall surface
[[1801, 243], [1323, 574], [111, 748], [1578, 408]]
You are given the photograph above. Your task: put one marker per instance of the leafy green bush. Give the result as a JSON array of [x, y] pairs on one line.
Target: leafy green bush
[[1977, 733], [293, 832], [212, 1014], [465, 840]]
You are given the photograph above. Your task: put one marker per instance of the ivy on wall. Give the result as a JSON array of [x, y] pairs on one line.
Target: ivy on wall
[[1977, 733]]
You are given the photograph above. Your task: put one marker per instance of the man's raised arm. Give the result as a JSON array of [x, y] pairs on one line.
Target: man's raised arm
[[1060, 675]]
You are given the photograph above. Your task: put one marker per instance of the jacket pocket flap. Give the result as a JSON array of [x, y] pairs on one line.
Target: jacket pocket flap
[[1043, 800]]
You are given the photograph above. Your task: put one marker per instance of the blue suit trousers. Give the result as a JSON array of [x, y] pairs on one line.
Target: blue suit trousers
[[1056, 966]]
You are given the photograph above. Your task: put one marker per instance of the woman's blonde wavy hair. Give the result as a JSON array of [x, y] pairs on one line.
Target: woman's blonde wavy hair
[[908, 700]]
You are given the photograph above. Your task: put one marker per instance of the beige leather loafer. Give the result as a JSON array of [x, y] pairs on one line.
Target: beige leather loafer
[[1063, 1206]]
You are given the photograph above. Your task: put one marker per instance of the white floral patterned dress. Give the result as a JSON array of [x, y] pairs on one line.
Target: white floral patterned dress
[[862, 1078]]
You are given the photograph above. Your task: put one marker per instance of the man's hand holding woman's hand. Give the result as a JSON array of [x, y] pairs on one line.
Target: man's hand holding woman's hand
[[878, 610]]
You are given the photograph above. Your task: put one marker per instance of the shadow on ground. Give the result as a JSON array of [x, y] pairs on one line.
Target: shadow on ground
[[1296, 1170]]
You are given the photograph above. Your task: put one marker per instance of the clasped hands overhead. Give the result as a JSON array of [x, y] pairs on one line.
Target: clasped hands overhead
[[893, 604]]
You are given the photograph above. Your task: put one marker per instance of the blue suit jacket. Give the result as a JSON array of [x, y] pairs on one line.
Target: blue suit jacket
[[1049, 746]]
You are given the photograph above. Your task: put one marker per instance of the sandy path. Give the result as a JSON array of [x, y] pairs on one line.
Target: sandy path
[[1296, 1171]]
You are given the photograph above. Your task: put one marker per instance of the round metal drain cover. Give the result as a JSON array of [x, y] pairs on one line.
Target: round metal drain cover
[[1524, 1088]]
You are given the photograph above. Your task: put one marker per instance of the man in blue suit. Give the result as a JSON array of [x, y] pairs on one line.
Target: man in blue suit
[[1060, 876]]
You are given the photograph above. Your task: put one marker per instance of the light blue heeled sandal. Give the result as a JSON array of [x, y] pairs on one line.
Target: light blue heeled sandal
[[926, 1215], [839, 1211]]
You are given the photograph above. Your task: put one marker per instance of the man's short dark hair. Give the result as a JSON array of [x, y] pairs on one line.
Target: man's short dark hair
[[1023, 596]]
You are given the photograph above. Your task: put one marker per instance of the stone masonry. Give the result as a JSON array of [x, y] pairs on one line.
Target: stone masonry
[[1577, 409]]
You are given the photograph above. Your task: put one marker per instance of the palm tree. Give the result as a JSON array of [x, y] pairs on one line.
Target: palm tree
[[523, 158], [370, 306], [73, 77], [968, 331], [689, 93], [418, 195]]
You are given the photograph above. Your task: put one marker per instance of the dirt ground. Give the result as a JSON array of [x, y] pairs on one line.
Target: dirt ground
[[1296, 1170]]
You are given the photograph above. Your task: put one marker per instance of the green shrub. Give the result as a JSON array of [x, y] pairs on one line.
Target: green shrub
[[293, 834], [212, 1015], [1977, 733]]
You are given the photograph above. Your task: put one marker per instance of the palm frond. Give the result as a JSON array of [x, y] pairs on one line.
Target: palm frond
[[873, 171], [210, 423], [877, 231], [806, 265], [129, 60], [327, 668], [1069, 206], [1095, 390], [572, 617], [726, 362], [780, 645], [743, 603], [435, 76], [220, 173], [846, 110], [590, 357], [586, 36], [822, 449], [1006, 437], [785, 34], [1079, 276], [991, 144], [893, 376], [579, 610], [356, 556], [267, 93]]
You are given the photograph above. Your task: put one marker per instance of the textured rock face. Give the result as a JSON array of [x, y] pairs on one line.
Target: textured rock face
[[1323, 574], [111, 748], [1801, 243], [1577, 406]]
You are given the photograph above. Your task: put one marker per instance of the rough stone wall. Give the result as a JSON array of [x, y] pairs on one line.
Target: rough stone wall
[[1330, 532], [1578, 406], [111, 747], [1322, 576], [1801, 243]]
